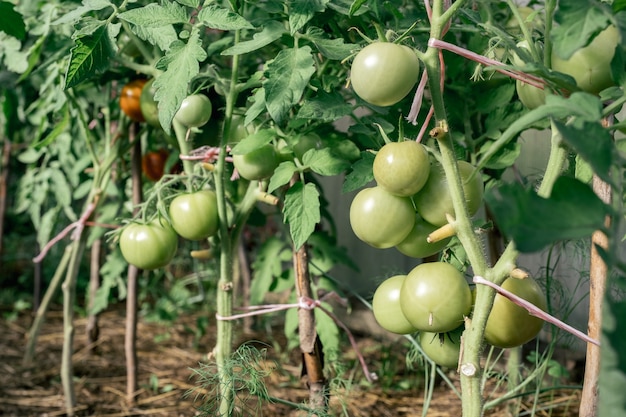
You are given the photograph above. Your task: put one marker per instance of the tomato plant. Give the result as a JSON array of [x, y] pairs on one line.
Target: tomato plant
[[257, 164], [416, 244], [305, 143], [402, 168], [530, 96], [130, 99], [434, 201], [443, 348], [148, 246], [435, 297], [591, 66], [383, 73], [381, 219], [510, 325], [194, 215], [194, 111], [386, 306]]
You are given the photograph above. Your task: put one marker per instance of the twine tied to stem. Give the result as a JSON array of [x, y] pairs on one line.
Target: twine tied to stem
[[305, 303]]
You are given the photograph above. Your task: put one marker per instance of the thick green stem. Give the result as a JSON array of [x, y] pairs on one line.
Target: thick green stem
[[184, 146]]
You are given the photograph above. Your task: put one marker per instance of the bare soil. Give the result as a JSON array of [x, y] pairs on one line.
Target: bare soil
[[167, 353]]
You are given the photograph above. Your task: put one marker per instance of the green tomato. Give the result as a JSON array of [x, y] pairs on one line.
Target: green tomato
[[415, 244], [238, 130], [443, 348], [435, 297], [434, 201], [148, 246], [258, 164], [149, 106], [381, 219], [306, 143], [194, 216], [386, 306], [510, 325], [530, 96], [402, 168], [194, 111], [383, 73], [591, 66]]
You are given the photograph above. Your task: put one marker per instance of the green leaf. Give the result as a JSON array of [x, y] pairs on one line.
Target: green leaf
[[495, 98], [266, 266], [271, 31], [505, 157], [327, 330], [593, 143], [579, 21], [189, 3], [11, 22], [287, 77], [362, 173], [325, 107], [181, 64], [91, 56], [46, 225], [302, 211], [355, 6], [330, 48], [254, 141], [572, 211], [11, 53], [162, 36], [612, 401], [582, 105], [301, 11], [282, 175], [155, 15], [110, 272], [325, 162], [59, 128], [217, 17], [87, 6]]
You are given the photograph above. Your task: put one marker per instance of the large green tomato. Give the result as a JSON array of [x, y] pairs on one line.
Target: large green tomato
[[381, 219], [383, 73], [258, 164], [433, 201], [402, 168], [194, 216], [435, 297], [591, 66], [194, 111], [148, 246], [443, 348], [149, 106], [415, 244], [510, 325], [386, 306]]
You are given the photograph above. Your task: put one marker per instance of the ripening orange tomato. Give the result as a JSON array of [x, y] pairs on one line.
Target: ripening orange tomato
[[130, 100]]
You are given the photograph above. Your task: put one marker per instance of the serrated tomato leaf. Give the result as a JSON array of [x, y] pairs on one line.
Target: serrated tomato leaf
[[324, 107], [282, 175], [301, 11], [287, 77], [271, 31], [325, 161], [90, 56], [254, 141], [154, 15], [361, 174], [216, 17], [180, 64], [301, 211], [572, 211], [578, 22]]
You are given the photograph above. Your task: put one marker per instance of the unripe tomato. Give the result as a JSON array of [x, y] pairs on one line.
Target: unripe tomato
[[130, 100], [194, 215], [435, 297], [443, 348], [306, 143], [194, 111], [258, 164], [381, 219], [149, 106], [383, 73], [510, 325], [530, 96], [402, 168], [433, 201], [386, 306], [591, 66], [148, 246], [415, 244]]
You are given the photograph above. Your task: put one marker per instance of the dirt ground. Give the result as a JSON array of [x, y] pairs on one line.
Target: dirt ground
[[166, 355]]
